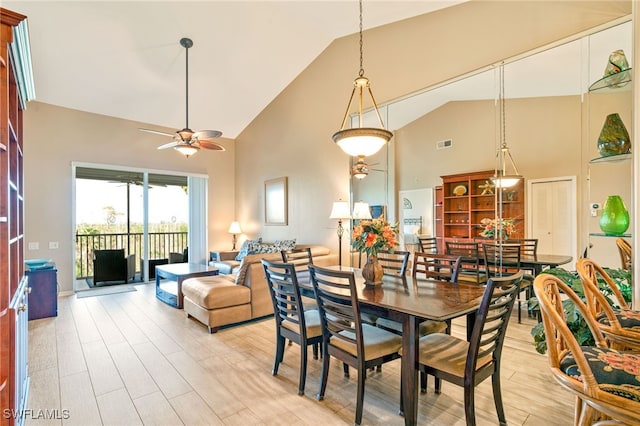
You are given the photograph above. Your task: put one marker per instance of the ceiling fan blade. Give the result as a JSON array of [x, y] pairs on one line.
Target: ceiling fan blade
[[207, 134], [211, 145], [169, 145], [157, 132]]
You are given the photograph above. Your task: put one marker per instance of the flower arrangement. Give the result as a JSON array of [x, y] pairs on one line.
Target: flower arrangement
[[502, 228], [372, 236]]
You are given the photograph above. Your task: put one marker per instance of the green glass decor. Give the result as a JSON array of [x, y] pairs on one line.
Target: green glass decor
[[615, 216], [614, 138]]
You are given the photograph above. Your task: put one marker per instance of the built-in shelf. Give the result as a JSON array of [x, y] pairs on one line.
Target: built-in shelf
[[611, 158]]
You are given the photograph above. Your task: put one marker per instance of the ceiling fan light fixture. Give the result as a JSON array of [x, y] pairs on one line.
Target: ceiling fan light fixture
[[185, 134], [186, 149], [361, 141]]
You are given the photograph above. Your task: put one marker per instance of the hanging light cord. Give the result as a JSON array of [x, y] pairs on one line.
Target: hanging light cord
[[187, 85], [361, 73]]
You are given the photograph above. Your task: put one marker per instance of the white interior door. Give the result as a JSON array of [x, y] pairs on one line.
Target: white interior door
[[552, 216]]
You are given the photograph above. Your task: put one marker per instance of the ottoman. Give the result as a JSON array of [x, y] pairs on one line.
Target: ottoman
[[216, 301]]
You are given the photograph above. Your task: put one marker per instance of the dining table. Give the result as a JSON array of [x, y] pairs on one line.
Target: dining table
[[409, 301]]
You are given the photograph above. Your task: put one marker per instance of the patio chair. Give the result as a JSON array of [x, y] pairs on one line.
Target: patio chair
[[113, 266], [602, 379]]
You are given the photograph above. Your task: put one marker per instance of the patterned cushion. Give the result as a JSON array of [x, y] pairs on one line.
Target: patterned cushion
[[246, 246], [616, 372], [285, 244], [626, 318], [263, 248]]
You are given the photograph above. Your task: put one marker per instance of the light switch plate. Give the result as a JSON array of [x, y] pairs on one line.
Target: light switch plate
[[53, 245], [34, 246]]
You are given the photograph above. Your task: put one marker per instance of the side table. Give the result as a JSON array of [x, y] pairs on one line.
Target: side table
[[43, 299], [170, 291]]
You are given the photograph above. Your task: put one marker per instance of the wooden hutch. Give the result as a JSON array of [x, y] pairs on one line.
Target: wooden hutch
[[465, 199], [16, 86]]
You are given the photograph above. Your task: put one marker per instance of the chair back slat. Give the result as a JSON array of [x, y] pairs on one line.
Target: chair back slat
[[442, 267], [528, 246], [492, 319], [285, 293], [501, 259], [469, 254], [300, 257], [428, 244], [337, 300], [393, 263]]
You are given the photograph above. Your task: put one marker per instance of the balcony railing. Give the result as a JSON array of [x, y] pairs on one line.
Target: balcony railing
[[160, 245]]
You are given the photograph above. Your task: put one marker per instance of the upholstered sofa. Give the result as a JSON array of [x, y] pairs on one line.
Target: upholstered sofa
[[240, 292]]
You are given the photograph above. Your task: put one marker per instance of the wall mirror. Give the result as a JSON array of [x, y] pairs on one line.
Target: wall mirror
[[552, 121]]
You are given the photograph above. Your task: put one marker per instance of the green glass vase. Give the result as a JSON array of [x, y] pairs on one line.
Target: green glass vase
[[614, 138], [615, 216]]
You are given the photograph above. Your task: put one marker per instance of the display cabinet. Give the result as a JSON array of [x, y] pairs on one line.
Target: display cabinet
[[468, 198]]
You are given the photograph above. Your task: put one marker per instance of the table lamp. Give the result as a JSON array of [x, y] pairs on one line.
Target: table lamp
[[340, 211], [234, 229], [361, 210]]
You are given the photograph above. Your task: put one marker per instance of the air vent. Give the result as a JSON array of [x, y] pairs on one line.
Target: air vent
[[444, 144]]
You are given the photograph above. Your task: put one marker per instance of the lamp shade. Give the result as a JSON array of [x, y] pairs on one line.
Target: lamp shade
[[186, 149], [234, 228], [362, 141], [340, 210], [361, 210]]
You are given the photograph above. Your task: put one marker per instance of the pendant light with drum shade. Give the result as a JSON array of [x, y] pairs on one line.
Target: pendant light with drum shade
[[504, 176], [361, 141]]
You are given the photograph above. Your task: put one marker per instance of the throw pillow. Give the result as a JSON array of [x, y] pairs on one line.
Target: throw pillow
[[246, 246], [285, 244], [263, 248]]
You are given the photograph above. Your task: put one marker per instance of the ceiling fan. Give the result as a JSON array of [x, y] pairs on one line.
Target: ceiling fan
[[186, 141], [360, 169]]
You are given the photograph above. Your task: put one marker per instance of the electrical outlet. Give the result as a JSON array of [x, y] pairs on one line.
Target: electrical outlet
[[53, 245], [34, 246]]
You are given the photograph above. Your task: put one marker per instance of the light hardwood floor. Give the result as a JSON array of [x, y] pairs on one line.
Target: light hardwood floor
[[129, 359]]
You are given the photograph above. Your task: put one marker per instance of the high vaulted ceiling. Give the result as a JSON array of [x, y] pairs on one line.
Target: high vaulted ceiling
[[123, 58]]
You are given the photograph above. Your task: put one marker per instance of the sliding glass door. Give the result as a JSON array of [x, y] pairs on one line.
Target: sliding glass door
[[142, 213]]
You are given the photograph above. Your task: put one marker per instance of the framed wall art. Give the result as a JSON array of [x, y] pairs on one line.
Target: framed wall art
[[275, 201]]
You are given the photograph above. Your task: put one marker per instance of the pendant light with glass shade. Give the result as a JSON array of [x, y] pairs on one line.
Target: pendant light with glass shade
[[361, 141], [505, 176]]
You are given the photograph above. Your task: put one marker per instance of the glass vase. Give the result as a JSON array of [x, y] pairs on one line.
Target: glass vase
[[372, 271], [615, 216], [614, 138]]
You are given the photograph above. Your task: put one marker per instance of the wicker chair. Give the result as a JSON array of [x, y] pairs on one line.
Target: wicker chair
[[601, 378], [620, 325], [626, 253]]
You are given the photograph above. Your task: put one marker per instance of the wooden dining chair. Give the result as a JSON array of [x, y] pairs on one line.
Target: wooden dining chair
[[427, 244], [626, 253], [604, 380], [344, 335], [470, 268], [616, 320], [468, 363], [442, 267], [304, 329], [503, 259], [394, 263], [300, 257]]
